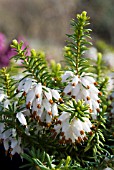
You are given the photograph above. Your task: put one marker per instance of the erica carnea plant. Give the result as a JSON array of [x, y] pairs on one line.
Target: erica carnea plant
[[58, 117]]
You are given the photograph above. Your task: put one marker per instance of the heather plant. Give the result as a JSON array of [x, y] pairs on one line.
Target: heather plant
[[59, 117]]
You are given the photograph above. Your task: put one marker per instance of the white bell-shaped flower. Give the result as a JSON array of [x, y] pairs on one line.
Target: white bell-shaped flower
[[15, 146], [20, 116], [30, 97], [6, 144], [54, 109], [48, 94], [7, 134], [25, 85], [68, 89], [6, 104], [66, 75], [13, 143], [17, 149], [55, 94], [2, 97], [38, 90]]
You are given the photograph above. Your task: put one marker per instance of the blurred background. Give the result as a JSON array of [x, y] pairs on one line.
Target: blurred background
[[44, 23]]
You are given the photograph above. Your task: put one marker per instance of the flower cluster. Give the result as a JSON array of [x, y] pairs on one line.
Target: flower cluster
[[41, 100], [11, 144], [72, 131], [83, 87]]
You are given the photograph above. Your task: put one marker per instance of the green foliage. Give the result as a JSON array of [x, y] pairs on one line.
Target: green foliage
[[35, 65], [40, 160], [7, 82], [56, 72], [77, 109]]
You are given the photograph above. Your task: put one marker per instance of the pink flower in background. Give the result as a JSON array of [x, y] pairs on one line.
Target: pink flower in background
[[6, 52], [3, 49], [2, 43]]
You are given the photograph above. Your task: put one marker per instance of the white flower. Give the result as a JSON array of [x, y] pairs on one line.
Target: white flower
[[7, 134], [6, 144], [11, 144], [38, 90], [2, 97], [41, 100], [20, 116], [6, 104], [55, 94], [25, 85], [110, 82], [15, 146], [84, 87], [47, 105], [67, 75], [14, 133], [17, 149], [108, 168], [54, 109], [30, 97], [68, 88], [21, 84], [6, 139], [74, 130], [48, 94]]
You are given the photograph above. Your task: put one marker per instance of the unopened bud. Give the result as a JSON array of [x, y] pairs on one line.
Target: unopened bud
[[99, 58], [14, 42], [58, 66], [84, 13], [33, 52], [67, 48]]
